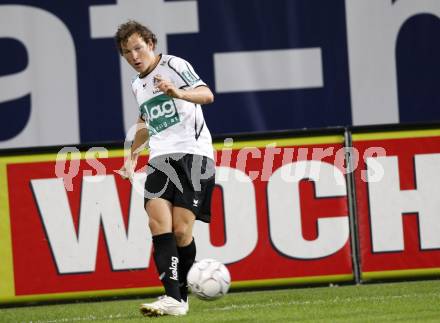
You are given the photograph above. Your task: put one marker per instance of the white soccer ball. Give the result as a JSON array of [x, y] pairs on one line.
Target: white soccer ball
[[209, 279]]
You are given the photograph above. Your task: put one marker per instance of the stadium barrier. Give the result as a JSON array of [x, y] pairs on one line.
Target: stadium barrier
[[398, 214], [303, 207]]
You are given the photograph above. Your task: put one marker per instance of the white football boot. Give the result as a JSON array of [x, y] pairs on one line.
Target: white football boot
[[186, 305], [165, 305]]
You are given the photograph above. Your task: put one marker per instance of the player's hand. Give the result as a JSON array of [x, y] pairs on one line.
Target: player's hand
[[128, 169], [167, 87]]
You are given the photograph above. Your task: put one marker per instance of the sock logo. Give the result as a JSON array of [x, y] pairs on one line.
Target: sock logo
[[173, 267]]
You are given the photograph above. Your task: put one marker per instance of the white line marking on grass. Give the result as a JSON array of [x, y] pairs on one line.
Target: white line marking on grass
[[86, 318], [322, 301], [269, 303]]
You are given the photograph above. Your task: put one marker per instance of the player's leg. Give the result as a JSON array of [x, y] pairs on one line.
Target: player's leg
[[183, 223], [158, 193], [165, 249], [160, 218], [166, 259], [194, 202]]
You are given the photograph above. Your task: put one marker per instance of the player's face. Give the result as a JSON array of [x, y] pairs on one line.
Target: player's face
[[138, 53]]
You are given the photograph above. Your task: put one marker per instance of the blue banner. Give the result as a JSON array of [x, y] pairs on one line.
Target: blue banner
[[273, 65]]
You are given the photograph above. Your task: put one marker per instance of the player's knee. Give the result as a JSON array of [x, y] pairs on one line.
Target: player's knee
[[158, 224], [155, 226], [182, 234]]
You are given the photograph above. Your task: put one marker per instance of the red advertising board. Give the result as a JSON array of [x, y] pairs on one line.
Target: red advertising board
[[279, 217], [293, 238], [35, 269], [398, 205]]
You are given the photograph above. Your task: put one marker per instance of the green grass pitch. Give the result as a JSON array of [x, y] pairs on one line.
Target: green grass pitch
[[417, 301]]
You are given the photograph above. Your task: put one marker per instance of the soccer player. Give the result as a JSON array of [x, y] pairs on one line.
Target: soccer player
[[180, 171]]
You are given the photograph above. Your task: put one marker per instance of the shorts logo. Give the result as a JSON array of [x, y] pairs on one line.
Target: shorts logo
[[161, 113]]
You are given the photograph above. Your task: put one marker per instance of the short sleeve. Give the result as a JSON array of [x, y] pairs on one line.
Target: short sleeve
[[185, 76]]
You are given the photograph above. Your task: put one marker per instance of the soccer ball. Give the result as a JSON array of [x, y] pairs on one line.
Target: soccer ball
[[209, 279]]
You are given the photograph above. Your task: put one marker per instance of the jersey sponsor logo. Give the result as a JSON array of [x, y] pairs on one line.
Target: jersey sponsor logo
[[160, 112]]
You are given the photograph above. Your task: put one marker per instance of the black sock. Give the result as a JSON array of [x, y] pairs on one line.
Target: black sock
[[167, 263], [187, 255]]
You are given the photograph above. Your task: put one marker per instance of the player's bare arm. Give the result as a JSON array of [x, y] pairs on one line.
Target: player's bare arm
[[139, 143], [140, 139], [199, 95]]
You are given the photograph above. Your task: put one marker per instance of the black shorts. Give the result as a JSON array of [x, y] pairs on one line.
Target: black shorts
[[183, 179]]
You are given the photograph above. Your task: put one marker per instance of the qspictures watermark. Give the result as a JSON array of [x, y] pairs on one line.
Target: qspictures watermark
[[68, 162]]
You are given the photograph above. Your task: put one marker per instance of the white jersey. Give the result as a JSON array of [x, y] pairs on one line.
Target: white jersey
[[174, 125]]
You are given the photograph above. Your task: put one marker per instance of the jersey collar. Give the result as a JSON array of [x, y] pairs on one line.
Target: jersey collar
[[144, 74]]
